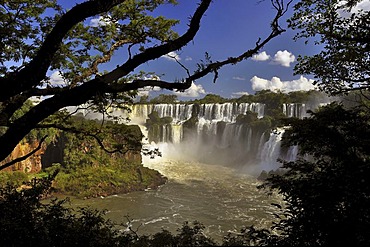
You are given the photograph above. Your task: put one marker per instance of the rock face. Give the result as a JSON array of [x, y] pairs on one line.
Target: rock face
[[32, 164]]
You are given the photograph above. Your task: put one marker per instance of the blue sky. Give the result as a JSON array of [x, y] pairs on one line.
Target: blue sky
[[229, 28]]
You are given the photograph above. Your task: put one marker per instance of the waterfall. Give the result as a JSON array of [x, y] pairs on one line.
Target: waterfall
[[270, 151], [297, 110], [292, 153], [226, 112], [176, 133], [216, 137], [179, 112]]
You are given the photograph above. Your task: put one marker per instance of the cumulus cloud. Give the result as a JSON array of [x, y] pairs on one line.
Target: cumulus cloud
[[193, 91], [362, 5], [239, 94], [100, 21], [275, 84], [262, 56], [238, 78], [172, 56], [284, 58], [56, 79], [188, 58]]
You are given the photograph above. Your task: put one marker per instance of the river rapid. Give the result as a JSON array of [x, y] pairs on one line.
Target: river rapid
[[222, 198]]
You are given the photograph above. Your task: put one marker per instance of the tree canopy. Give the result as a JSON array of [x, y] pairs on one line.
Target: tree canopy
[[42, 36], [343, 32]]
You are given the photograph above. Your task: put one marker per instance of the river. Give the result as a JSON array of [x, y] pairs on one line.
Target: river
[[220, 197]]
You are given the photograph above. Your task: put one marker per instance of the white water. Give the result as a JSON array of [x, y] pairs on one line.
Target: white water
[[221, 198]]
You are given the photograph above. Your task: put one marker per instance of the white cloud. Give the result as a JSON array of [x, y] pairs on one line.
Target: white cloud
[[172, 56], [344, 12], [146, 90], [193, 91], [364, 5], [56, 79], [188, 58], [275, 84], [262, 56], [238, 78], [284, 58], [100, 21], [239, 94]]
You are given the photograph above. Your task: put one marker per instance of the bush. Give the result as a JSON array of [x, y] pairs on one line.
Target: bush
[[26, 221], [16, 178], [106, 180]]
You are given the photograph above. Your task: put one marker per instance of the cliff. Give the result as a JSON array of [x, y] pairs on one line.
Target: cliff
[[31, 165]]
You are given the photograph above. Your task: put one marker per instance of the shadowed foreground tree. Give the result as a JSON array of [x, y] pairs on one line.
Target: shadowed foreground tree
[[326, 191], [40, 37]]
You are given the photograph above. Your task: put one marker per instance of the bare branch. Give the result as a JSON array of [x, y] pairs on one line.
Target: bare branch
[[179, 63]]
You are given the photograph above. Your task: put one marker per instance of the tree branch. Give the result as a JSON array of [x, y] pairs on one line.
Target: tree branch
[[160, 50], [94, 67]]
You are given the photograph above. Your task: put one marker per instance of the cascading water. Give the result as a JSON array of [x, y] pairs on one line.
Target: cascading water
[[295, 110], [271, 150], [216, 137]]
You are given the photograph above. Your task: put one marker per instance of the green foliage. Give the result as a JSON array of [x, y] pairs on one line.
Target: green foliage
[[107, 180], [247, 118], [16, 178], [27, 221], [21, 25], [245, 99], [342, 65], [144, 99], [155, 119], [83, 149], [211, 99], [248, 237], [326, 193], [303, 96], [273, 102], [89, 171], [188, 235], [164, 99], [251, 119], [193, 236], [155, 126]]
